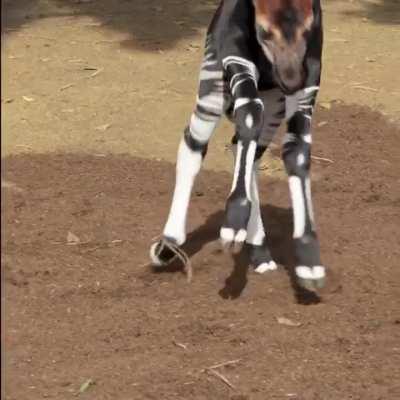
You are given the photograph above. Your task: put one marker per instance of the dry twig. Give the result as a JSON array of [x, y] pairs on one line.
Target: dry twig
[[365, 88], [220, 376], [67, 86], [225, 364], [322, 159], [181, 345]]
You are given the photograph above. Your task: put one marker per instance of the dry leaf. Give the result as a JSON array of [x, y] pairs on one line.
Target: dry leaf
[[326, 105], [287, 322], [72, 239], [86, 385], [102, 127], [28, 99]]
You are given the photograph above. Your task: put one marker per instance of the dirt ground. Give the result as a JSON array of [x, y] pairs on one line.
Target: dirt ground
[[121, 76], [95, 310], [94, 98]]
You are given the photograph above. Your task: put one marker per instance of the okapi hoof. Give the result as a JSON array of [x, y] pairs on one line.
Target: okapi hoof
[[234, 229], [161, 253], [310, 274], [260, 259], [231, 240], [311, 278]]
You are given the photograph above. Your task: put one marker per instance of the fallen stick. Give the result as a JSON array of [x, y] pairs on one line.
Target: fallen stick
[[181, 345], [94, 73], [365, 88], [220, 376], [322, 159], [224, 364], [67, 86]]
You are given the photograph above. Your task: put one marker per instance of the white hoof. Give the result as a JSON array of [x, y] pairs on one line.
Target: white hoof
[[226, 235], [155, 260], [313, 273], [264, 267], [241, 236]]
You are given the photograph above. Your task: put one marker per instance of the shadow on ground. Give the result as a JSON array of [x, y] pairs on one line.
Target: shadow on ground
[[280, 227], [151, 24]]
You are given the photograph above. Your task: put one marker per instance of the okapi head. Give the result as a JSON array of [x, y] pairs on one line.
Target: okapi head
[[282, 27]]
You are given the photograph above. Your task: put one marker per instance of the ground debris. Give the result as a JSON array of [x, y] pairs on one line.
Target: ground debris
[[181, 345], [326, 105], [66, 86], [85, 386], [103, 127], [287, 322], [72, 239], [11, 186], [223, 378], [28, 99], [317, 158]]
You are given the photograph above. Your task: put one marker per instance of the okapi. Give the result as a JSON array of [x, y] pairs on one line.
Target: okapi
[[262, 64]]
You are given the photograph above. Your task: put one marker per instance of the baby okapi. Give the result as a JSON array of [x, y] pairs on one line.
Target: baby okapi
[[262, 64]]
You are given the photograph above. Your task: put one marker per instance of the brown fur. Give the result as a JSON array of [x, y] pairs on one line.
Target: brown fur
[[267, 12]]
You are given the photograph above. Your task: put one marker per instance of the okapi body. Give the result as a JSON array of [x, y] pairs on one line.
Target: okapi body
[[262, 65]]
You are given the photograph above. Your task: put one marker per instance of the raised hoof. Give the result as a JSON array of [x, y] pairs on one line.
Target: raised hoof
[[311, 278], [161, 255]]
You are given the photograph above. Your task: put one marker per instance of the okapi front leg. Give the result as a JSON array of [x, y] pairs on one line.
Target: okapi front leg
[[248, 118], [297, 158], [274, 112], [192, 150]]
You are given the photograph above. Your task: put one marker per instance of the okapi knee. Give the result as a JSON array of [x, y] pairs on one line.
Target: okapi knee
[[297, 157], [296, 151]]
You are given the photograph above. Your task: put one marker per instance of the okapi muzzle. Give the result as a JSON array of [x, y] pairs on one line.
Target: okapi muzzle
[[282, 27]]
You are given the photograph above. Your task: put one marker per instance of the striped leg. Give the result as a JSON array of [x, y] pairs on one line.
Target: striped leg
[[274, 111], [192, 149], [247, 115], [297, 158]]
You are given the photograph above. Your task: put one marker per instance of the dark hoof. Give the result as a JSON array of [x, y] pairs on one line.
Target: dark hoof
[[161, 254]]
